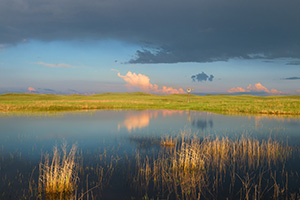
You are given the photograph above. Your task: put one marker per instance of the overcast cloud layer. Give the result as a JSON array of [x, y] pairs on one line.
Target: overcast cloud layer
[[171, 31]]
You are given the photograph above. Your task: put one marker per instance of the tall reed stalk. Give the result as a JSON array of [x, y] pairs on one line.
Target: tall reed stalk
[[58, 177]]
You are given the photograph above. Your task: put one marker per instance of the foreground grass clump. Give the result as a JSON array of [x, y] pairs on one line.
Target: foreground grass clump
[[218, 168], [168, 141], [58, 178], [243, 104]]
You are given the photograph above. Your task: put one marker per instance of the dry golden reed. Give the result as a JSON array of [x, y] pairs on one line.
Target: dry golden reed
[[58, 178], [168, 141], [196, 168]]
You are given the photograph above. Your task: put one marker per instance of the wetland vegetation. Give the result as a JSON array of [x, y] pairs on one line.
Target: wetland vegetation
[[58, 178], [218, 168], [192, 168]]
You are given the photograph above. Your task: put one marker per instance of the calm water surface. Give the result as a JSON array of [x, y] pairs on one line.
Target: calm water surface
[[24, 139]]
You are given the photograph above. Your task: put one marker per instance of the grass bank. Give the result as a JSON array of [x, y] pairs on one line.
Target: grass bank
[[227, 104]]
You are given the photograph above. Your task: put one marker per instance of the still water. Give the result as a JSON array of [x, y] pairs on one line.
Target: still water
[[24, 139]]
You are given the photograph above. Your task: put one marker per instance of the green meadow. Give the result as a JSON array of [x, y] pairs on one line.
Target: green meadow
[[226, 104]]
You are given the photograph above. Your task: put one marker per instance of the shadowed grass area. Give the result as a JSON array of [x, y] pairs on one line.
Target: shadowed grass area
[[227, 104]]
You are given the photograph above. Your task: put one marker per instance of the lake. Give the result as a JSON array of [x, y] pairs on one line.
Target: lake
[[120, 154]]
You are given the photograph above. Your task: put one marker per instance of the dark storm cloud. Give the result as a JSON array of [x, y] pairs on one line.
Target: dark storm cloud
[[202, 77], [293, 63], [292, 78], [171, 30]]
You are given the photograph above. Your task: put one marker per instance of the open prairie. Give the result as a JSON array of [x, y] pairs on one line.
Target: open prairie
[[226, 104]]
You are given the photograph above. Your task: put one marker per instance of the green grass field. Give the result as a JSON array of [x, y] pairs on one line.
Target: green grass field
[[226, 104]]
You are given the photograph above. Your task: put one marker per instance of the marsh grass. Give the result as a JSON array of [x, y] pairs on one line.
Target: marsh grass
[[168, 141], [58, 177], [97, 177], [65, 176], [214, 168], [195, 168]]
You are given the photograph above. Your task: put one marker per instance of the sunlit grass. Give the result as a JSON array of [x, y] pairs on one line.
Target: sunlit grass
[[168, 141], [244, 104], [58, 177]]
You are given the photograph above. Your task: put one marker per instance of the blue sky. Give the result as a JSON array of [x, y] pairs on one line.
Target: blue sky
[[67, 47]]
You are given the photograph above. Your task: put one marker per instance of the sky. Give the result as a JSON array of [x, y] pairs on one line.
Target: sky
[[155, 46]]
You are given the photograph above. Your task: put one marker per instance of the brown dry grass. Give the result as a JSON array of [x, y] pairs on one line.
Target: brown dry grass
[[200, 168], [58, 178], [168, 141]]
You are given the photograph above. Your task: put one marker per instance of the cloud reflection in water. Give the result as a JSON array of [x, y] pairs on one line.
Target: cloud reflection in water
[[141, 119]]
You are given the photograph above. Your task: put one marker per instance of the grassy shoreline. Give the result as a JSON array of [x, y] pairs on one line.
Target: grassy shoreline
[[226, 104]]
